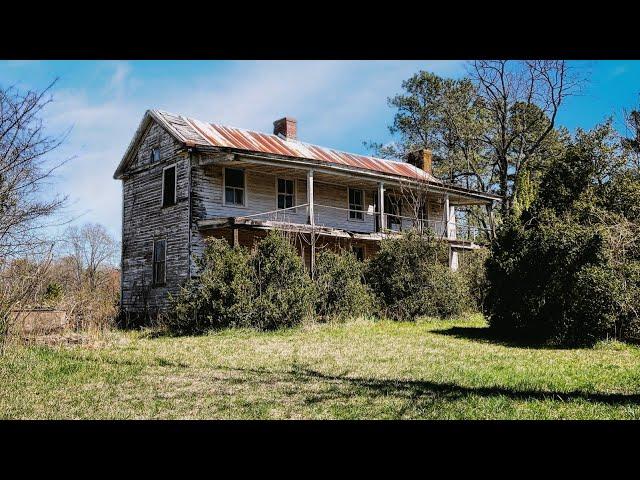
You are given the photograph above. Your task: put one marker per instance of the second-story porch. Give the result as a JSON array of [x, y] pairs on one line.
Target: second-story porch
[[326, 205]]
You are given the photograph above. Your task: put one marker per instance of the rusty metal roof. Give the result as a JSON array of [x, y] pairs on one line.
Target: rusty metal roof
[[200, 133]]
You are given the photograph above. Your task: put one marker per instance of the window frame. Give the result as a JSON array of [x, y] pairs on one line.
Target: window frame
[[244, 188], [155, 154], [350, 210], [294, 195], [393, 200], [155, 283], [175, 186]]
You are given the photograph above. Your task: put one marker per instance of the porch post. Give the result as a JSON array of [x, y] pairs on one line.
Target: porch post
[[311, 220], [383, 217], [447, 218]]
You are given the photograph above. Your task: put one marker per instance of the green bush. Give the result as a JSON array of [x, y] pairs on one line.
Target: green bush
[[339, 288], [474, 275], [220, 297], [559, 281], [411, 278], [283, 289], [265, 289]]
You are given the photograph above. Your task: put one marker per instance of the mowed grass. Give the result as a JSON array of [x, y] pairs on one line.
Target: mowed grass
[[431, 369]]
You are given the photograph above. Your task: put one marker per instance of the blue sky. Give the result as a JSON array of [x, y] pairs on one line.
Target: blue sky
[[337, 103]]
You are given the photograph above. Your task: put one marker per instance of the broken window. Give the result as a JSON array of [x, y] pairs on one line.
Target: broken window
[[159, 262], [155, 155], [234, 186], [169, 186], [285, 193], [356, 204]]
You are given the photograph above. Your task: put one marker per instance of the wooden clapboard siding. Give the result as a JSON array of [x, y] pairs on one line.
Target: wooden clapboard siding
[[144, 220]]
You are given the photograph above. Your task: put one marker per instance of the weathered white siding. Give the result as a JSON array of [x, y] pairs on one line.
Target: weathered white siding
[[144, 220]]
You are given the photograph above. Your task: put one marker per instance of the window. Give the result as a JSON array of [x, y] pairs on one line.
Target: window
[[358, 251], [169, 186], [159, 262], [234, 186], [286, 194], [392, 208], [356, 204], [155, 155]]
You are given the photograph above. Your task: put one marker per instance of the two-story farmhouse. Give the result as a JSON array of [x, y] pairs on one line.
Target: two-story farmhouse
[[184, 180]]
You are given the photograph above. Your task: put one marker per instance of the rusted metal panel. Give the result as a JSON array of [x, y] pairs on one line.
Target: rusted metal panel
[[207, 134]]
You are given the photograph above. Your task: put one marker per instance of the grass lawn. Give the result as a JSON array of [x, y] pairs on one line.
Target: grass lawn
[[359, 370]]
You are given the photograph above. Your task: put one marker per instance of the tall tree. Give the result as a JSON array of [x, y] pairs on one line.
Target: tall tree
[[26, 208], [26, 168], [90, 248], [486, 130]]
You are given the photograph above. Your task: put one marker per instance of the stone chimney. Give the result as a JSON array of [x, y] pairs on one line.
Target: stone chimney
[[422, 159], [286, 127]]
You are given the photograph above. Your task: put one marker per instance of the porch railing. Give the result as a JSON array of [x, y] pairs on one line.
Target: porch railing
[[456, 231]]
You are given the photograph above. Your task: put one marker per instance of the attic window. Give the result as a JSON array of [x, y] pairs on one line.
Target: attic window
[[155, 155], [169, 186]]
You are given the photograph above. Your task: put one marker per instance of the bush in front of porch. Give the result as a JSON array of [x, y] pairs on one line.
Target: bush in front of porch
[[266, 289], [411, 278]]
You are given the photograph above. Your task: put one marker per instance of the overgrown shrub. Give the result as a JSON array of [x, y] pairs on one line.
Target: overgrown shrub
[[339, 288], [283, 289], [411, 278], [557, 280], [473, 272], [264, 289], [221, 296]]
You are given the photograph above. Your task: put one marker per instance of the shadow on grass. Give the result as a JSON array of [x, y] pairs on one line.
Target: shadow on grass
[[425, 390], [486, 335], [418, 392]]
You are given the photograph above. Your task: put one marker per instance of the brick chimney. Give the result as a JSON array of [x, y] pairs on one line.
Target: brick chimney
[[287, 127], [422, 159]]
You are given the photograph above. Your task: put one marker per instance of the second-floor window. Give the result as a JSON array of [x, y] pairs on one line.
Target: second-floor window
[[356, 204], [169, 186], [285, 193], [393, 209], [234, 186]]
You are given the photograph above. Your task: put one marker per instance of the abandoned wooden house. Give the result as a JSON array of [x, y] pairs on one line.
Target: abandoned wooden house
[[184, 180]]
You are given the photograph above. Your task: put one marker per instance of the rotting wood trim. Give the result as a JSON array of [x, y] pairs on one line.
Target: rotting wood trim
[[251, 223]]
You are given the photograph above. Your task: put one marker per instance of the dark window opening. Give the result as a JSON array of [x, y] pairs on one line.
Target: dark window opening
[[169, 186], [358, 251], [155, 155], [356, 204], [159, 262], [392, 208], [233, 186], [285, 193]]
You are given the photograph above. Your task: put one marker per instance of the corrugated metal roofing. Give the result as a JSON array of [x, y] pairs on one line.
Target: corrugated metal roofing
[[207, 134]]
